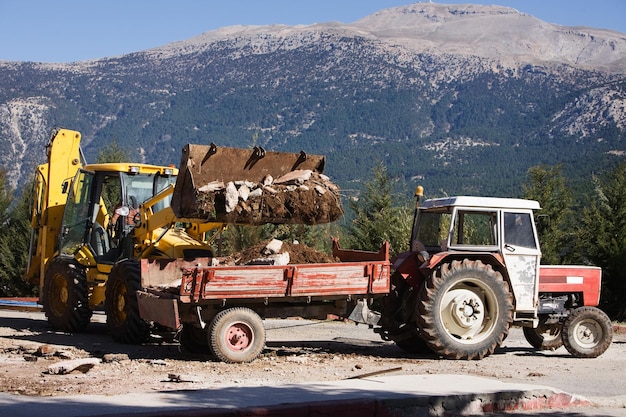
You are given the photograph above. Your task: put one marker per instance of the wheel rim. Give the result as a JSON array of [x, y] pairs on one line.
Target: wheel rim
[[120, 303], [59, 295], [239, 336], [587, 333], [467, 311]]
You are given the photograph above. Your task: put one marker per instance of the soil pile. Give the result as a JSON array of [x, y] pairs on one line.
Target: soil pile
[[297, 253]]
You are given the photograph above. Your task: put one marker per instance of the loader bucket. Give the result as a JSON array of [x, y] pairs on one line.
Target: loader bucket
[[253, 187]]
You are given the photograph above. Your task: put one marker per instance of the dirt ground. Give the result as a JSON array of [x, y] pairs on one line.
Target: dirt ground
[[297, 351]]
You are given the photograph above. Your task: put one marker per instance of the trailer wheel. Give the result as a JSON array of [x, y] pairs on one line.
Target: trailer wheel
[[544, 336], [465, 311], [237, 335], [194, 339], [587, 332], [66, 296], [121, 306]]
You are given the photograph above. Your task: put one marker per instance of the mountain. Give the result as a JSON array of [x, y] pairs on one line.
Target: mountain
[[462, 99]]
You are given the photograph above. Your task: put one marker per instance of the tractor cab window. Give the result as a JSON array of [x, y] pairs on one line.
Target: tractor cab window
[[518, 230], [474, 228], [431, 229]]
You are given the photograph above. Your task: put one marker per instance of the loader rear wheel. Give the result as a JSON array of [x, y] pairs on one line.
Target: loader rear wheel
[[194, 339], [587, 332], [237, 335], [465, 310], [66, 296], [121, 306], [544, 336]]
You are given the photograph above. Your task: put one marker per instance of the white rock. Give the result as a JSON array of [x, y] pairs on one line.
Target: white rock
[[212, 186], [257, 192], [320, 190], [274, 246], [244, 192], [298, 176], [232, 197]]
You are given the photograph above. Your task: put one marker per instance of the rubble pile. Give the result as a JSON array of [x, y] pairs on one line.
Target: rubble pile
[[278, 252], [298, 197]]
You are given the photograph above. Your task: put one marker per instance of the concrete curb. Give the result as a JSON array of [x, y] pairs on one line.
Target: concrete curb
[[404, 395], [448, 406]]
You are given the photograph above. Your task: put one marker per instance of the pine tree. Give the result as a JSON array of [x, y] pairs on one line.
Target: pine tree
[[602, 236], [379, 215], [14, 240], [112, 152], [547, 185]]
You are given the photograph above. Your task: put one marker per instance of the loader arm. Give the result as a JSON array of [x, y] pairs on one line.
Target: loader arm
[[153, 225], [64, 158]]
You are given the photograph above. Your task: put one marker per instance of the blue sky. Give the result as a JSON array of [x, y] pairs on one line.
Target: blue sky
[[75, 30]]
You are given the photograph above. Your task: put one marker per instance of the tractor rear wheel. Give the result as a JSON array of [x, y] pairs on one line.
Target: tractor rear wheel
[[544, 336], [237, 335], [465, 310], [121, 306], [587, 332], [398, 317], [66, 296]]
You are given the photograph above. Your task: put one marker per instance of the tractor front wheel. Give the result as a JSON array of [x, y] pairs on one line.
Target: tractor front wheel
[[65, 296], [121, 306], [237, 335], [544, 336], [587, 332], [465, 310]]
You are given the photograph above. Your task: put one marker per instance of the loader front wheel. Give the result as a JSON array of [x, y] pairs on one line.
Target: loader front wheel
[[121, 306], [587, 332], [465, 310], [194, 339], [66, 296], [237, 335]]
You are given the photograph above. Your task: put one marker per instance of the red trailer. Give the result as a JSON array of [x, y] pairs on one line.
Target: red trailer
[[220, 307]]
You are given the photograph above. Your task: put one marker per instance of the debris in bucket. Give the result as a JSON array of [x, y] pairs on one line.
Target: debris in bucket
[[298, 197]]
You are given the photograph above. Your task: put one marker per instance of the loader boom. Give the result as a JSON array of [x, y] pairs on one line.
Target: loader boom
[[64, 160]]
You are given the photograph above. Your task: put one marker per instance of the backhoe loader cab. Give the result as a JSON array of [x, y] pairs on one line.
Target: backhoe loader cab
[[103, 208], [88, 218]]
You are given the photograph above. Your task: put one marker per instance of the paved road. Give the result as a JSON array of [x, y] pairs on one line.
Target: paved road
[[600, 379]]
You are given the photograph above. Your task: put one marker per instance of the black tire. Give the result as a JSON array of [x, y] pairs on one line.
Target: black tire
[[121, 306], [465, 311], [587, 332], [66, 296], [398, 317], [544, 336], [236, 335], [413, 343], [194, 339]]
